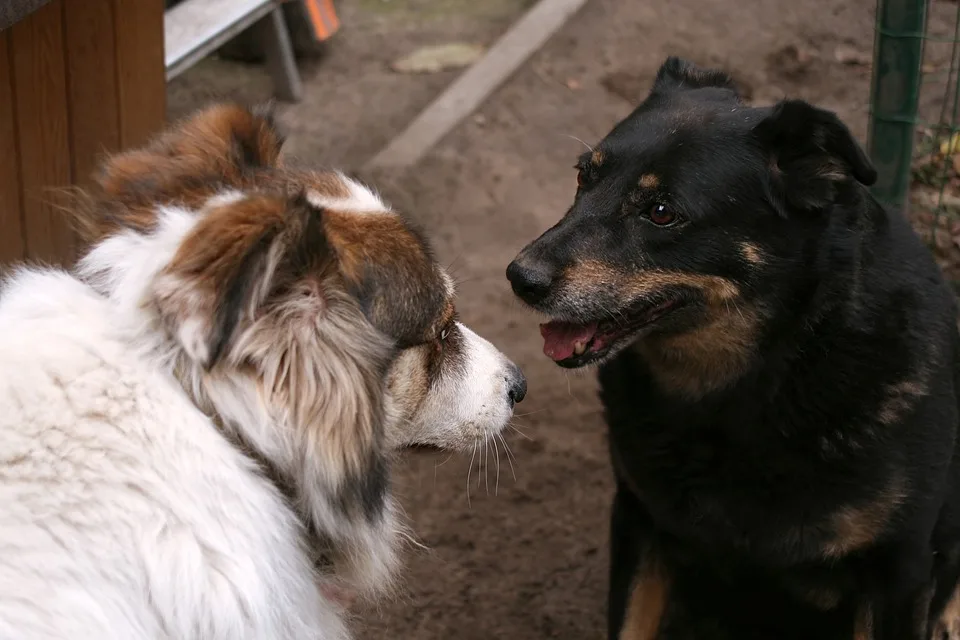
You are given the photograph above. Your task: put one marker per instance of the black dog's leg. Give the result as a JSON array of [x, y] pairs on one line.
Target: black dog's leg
[[901, 607], [631, 542]]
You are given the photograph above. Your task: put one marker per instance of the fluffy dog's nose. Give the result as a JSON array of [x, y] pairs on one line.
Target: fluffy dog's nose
[[531, 280], [516, 385]]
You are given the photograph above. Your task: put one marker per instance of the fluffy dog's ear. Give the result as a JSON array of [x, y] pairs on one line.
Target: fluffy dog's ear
[[221, 274], [389, 268], [812, 154], [223, 141], [677, 73]]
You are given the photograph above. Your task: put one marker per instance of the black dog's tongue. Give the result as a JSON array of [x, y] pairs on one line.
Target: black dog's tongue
[[561, 339]]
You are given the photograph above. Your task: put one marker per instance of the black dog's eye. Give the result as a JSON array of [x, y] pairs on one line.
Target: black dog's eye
[[585, 175], [443, 334], [662, 216]]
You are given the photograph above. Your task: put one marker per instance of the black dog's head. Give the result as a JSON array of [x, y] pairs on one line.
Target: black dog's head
[[688, 215]]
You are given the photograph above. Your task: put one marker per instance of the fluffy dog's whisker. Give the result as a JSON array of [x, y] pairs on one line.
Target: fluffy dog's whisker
[[506, 448], [520, 433], [496, 451], [470, 471], [486, 465], [529, 413], [436, 465], [479, 463]]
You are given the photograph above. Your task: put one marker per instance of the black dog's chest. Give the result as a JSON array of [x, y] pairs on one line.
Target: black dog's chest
[[705, 477]]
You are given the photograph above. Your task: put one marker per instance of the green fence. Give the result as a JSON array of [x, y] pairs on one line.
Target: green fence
[[915, 117]]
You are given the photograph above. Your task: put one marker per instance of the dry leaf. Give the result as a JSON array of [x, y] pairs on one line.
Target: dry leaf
[[950, 146], [845, 54], [453, 55]]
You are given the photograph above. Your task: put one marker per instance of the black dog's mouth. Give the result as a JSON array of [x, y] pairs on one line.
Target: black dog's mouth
[[574, 345]]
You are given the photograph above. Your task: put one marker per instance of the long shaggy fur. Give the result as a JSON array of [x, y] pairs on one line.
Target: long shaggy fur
[[199, 420]]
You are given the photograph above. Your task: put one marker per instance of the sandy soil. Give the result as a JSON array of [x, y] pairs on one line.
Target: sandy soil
[[526, 557]]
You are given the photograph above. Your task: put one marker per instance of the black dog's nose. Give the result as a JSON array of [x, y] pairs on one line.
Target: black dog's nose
[[517, 389], [531, 280]]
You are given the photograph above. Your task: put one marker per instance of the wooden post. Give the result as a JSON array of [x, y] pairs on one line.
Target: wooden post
[[77, 80]]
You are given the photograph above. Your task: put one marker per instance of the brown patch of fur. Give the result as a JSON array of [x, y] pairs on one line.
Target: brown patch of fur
[[648, 600], [899, 398], [863, 626], [597, 158], [360, 240], [214, 149], [211, 253], [446, 317], [409, 385], [751, 253], [707, 358], [649, 181], [856, 527], [393, 273], [948, 625]]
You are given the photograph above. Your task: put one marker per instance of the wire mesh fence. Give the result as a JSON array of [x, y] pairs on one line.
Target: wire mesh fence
[[915, 118]]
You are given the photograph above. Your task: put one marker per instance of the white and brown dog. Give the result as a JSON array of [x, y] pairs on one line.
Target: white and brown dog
[[196, 425]]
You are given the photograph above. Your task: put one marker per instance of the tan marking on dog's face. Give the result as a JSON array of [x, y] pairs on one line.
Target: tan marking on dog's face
[[649, 181], [899, 398], [857, 527], [751, 253], [590, 274], [647, 603], [409, 385], [597, 158], [707, 358]]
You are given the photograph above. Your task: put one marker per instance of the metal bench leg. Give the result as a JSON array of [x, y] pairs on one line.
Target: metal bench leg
[[272, 33]]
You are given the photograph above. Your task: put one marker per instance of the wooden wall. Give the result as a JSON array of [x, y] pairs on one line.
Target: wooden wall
[[77, 78]]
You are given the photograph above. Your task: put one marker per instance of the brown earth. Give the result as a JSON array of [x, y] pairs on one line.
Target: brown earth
[[527, 558]]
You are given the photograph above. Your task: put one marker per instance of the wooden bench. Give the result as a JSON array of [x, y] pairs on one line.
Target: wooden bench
[[193, 29]]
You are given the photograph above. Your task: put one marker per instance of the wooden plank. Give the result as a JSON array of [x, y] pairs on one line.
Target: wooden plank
[[138, 30], [475, 84], [40, 87], [93, 99], [196, 28], [11, 214]]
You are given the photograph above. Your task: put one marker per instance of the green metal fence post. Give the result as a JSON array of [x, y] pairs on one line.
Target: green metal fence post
[[895, 94]]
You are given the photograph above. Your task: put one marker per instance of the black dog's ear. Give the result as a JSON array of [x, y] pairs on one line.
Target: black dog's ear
[[811, 154], [677, 73]]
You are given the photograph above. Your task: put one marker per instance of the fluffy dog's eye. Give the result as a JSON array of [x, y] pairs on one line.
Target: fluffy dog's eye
[[443, 334], [662, 216]]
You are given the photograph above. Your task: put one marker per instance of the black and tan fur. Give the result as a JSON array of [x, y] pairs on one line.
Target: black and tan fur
[[778, 367]]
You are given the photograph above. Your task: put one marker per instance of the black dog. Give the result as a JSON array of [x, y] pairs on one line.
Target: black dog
[[779, 370]]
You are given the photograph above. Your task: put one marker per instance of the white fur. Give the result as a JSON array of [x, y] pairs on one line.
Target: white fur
[[467, 405], [123, 512], [360, 200]]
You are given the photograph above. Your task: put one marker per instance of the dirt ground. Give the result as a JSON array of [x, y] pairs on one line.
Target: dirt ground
[[525, 557]]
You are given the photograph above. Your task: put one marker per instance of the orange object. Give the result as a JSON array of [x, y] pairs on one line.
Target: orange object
[[323, 18]]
